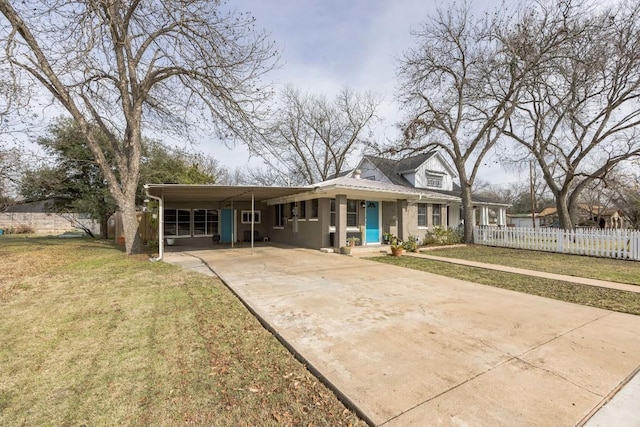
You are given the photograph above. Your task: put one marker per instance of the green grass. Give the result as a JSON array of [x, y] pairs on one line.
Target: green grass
[[93, 337], [609, 299], [573, 265]]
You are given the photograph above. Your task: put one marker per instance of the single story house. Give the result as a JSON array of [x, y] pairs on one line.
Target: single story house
[[523, 220], [592, 216], [403, 197]]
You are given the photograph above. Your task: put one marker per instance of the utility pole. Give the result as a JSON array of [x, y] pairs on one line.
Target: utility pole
[[532, 195]]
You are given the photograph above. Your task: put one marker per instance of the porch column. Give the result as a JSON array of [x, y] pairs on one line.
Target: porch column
[[501, 217], [401, 214], [484, 215], [341, 221], [444, 216], [475, 220]]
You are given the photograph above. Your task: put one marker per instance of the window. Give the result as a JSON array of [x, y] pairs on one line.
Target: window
[[422, 215], [435, 215], [279, 216], [332, 213], [434, 181], [205, 222], [177, 222], [314, 208], [352, 213], [246, 217], [303, 210]]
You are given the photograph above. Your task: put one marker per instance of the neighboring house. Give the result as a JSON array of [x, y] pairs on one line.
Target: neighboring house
[[402, 197], [523, 220], [587, 216], [35, 216]]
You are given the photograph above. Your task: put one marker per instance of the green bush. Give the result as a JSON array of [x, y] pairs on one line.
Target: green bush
[[442, 236], [411, 244]]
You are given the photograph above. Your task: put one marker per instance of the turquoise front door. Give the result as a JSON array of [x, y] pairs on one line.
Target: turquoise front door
[[226, 225], [372, 222]]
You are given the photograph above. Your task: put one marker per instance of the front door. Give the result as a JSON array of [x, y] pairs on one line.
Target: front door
[[372, 222], [226, 225]]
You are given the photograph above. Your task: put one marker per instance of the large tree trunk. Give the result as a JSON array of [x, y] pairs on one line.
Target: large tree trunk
[[104, 227], [131, 227], [564, 213], [467, 209]]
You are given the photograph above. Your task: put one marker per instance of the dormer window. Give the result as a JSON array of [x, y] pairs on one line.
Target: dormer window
[[434, 181]]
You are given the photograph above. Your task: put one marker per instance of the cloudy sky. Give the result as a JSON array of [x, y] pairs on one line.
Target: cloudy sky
[[329, 44]]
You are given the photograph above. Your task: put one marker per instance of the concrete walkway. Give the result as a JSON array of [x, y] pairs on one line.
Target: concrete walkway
[[534, 273], [407, 347]]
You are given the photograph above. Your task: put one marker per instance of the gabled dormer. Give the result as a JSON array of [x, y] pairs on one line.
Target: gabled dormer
[[435, 173], [429, 171]]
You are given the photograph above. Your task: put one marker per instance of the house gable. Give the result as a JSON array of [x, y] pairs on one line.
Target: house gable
[[369, 170], [426, 171], [434, 173]]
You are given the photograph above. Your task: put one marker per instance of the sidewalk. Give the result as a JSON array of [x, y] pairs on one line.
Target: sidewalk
[[534, 273]]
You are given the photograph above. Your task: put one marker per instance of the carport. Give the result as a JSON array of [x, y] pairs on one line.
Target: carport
[[209, 195]]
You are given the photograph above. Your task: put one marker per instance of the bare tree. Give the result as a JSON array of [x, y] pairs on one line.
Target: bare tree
[[459, 87], [627, 199], [11, 162], [620, 190], [579, 114], [129, 65], [311, 138]]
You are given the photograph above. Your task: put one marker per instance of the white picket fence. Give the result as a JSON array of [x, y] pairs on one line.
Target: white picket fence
[[606, 243]]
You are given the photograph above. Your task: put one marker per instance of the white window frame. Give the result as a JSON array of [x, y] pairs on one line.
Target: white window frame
[[177, 222], [279, 216], [245, 217], [436, 213], [426, 223], [433, 180], [210, 214]]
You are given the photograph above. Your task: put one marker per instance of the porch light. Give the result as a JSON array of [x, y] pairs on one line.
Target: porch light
[[363, 205]]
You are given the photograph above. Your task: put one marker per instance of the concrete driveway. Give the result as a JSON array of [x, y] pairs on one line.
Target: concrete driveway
[[407, 347]]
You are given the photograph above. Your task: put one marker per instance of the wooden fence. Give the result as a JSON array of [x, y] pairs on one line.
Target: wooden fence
[[606, 243]]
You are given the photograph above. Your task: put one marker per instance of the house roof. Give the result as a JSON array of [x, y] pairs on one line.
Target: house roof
[[596, 210], [393, 170], [382, 190], [352, 187], [219, 193]]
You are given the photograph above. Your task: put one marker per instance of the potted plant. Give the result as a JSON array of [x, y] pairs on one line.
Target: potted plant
[[352, 241], [396, 246], [386, 238], [345, 250]]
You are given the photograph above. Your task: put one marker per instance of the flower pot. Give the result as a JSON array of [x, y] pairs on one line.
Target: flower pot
[[396, 251], [345, 250], [170, 241]]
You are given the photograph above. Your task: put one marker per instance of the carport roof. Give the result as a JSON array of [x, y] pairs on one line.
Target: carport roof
[[219, 193]]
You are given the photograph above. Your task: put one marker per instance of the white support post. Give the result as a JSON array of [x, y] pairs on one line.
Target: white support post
[[253, 218]]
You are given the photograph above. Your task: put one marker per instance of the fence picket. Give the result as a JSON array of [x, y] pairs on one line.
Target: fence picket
[[607, 243]]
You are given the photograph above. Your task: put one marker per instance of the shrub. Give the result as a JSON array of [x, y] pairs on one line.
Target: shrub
[[411, 244], [22, 229], [442, 236]]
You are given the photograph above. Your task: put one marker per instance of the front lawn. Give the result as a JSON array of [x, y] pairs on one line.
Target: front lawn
[[609, 299], [92, 337], [573, 265]]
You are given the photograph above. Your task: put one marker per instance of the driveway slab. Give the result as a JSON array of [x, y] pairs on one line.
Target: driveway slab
[[408, 347]]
